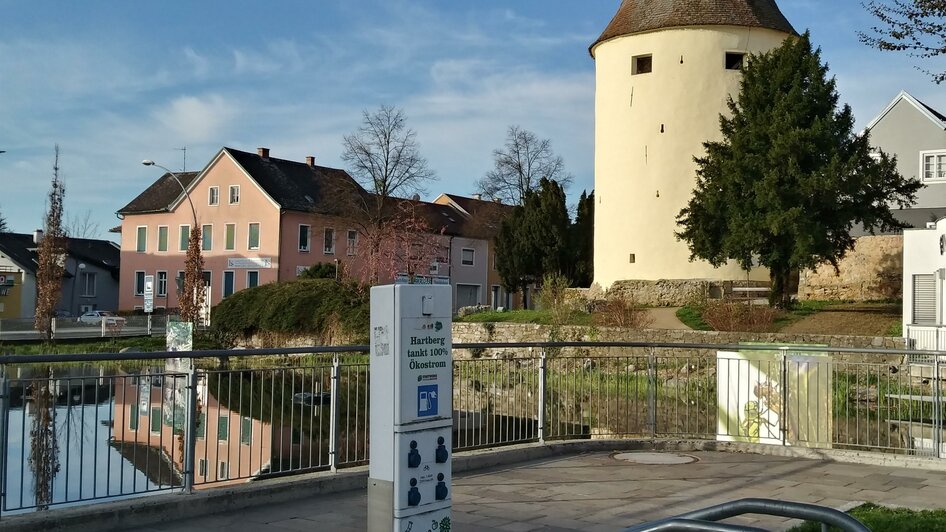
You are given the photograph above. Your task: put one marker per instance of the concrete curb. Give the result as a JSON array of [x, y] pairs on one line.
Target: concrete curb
[[143, 511]]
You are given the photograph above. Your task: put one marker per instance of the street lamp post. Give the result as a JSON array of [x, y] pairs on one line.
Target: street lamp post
[[192, 296]]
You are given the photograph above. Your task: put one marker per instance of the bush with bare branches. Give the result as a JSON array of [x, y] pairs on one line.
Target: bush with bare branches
[[738, 316], [618, 312]]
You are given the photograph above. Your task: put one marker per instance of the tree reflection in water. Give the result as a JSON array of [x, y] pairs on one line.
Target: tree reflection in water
[[44, 448]]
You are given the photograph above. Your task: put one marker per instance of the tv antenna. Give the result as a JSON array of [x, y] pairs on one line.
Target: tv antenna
[[183, 151]]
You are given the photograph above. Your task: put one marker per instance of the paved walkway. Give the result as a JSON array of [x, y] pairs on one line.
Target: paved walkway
[[666, 318], [596, 492]]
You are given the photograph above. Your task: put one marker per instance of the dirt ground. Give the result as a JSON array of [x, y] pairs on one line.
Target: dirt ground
[[861, 319]]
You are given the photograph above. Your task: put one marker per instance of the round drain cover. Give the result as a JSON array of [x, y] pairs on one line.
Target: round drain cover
[[656, 458]]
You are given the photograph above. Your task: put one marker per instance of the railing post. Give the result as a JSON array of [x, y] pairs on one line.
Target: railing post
[[190, 433], [937, 410], [4, 434], [52, 327], [149, 324], [102, 326], [542, 386], [652, 392], [333, 420], [783, 377]]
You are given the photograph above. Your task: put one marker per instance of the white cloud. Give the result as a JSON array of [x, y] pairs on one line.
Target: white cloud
[[197, 119]]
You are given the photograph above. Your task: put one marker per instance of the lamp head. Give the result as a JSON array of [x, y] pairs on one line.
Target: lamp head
[[147, 162]]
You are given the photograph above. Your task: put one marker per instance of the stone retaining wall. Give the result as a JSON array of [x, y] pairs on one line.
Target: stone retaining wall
[[662, 293], [515, 332], [872, 270]]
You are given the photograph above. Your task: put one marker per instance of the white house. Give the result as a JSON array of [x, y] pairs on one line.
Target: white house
[[924, 291]]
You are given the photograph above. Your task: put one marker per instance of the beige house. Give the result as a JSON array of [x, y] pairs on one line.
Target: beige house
[[664, 70]]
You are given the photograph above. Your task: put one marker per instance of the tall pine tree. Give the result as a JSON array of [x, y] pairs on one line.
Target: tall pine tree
[[790, 178], [583, 236]]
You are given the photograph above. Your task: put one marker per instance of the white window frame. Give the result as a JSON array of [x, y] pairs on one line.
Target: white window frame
[[249, 235], [472, 257], [158, 292], [84, 277], [248, 272], [213, 196], [939, 165], [204, 237], [352, 242], [167, 237], [135, 288], [328, 248], [744, 57], [183, 249], [305, 229], [231, 195], [223, 283], [636, 58], [141, 240]]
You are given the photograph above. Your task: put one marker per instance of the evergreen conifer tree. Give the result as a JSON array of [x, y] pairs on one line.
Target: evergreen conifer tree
[[790, 177]]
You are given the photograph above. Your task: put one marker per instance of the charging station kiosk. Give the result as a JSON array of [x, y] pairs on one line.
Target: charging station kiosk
[[411, 421]]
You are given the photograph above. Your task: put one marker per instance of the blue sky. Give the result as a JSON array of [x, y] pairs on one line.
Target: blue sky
[[115, 82]]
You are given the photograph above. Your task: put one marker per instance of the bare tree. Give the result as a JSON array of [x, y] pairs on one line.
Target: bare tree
[[520, 165], [4, 228], [44, 444], [81, 226], [51, 256], [384, 158], [917, 27]]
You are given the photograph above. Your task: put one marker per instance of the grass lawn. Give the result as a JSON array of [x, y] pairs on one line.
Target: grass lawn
[[881, 519], [97, 345], [822, 317]]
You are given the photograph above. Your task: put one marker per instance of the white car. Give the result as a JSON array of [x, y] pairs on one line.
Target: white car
[[95, 317]]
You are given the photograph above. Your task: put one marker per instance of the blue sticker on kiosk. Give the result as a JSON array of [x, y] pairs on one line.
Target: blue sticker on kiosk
[[427, 400]]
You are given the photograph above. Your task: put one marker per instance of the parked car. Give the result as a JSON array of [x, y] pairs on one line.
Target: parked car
[[95, 317]]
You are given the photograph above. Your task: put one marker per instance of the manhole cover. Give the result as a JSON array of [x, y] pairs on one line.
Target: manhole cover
[[655, 458]]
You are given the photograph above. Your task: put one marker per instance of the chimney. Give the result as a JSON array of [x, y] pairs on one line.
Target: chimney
[[37, 236], [477, 196], [310, 161], [263, 153]]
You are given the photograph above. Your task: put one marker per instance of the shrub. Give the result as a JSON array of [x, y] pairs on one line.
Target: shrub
[[325, 309], [322, 270], [737, 316], [619, 312], [556, 298]]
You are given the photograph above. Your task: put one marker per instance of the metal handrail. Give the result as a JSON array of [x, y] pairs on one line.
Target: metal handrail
[[209, 353], [796, 510]]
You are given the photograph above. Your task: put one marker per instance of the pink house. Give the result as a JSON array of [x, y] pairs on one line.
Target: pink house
[[262, 220]]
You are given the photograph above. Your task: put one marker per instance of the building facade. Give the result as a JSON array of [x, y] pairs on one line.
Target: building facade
[[664, 71]]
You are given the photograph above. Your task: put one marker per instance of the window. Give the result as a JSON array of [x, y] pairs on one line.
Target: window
[[206, 237], [227, 283], [246, 430], [234, 194], [142, 244], [202, 425], [87, 281], [133, 416], [155, 419], [735, 60], [162, 284], [933, 165], [139, 283], [185, 234], [224, 471], [252, 279], [202, 468], [642, 64], [162, 238], [352, 241], [466, 256], [329, 243], [304, 232], [213, 196], [230, 243], [223, 428], [179, 281], [253, 240]]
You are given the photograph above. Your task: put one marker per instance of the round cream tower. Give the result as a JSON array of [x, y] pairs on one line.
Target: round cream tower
[[664, 69]]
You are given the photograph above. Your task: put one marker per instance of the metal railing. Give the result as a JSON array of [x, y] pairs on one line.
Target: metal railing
[[136, 423], [13, 329]]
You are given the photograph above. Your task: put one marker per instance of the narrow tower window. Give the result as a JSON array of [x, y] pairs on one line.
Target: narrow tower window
[[734, 60], [642, 64]]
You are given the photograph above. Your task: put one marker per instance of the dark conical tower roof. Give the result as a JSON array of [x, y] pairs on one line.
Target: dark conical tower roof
[[635, 16]]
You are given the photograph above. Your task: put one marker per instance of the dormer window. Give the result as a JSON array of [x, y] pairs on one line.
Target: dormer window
[[642, 64], [735, 60]]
